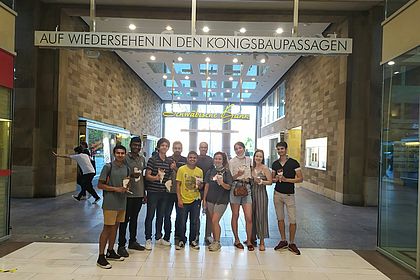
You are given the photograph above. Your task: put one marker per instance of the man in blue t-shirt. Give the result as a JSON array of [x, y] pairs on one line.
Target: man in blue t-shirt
[[286, 173]]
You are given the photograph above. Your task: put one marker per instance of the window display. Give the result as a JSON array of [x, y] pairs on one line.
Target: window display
[[316, 153]]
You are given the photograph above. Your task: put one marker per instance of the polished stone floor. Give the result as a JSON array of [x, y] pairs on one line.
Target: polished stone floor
[[65, 261], [322, 223], [65, 234]]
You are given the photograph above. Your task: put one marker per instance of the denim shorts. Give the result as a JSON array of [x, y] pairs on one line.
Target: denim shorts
[[240, 199]]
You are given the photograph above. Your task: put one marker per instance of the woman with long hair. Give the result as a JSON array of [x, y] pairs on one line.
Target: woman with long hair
[[262, 178], [240, 194], [218, 181]]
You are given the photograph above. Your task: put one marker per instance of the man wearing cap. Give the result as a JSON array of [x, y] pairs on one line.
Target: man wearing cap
[[136, 163]]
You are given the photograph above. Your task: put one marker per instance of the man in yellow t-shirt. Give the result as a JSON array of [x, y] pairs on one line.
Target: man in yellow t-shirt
[[189, 180]]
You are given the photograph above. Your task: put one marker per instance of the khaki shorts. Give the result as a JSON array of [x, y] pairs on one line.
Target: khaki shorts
[[280, 200], [111, 217]]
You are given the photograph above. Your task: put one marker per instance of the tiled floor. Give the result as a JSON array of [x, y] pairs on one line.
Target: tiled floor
[[65, 261], [322, 223]]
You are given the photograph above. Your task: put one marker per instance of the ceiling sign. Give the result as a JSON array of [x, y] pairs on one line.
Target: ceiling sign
[[226, 116], [188, 43]]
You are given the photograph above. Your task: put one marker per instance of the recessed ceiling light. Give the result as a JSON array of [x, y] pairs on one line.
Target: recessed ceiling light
[[207, 59], [208, 78], [235, 60], [225, 99], [179, 58], [210, 98], [152, 57], [132, 27], [279, 30], [187, 77], [242, 100], [206, 29], [178, 98], [228, 90], [165, 77], [230, 78], [194, 98], [262, 60], [391, 63], [168, 27], [246, 91], [253, 79], [242, 30]]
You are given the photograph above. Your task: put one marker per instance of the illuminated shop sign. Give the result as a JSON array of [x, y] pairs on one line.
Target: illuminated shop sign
[[188, 43], [226, 116]]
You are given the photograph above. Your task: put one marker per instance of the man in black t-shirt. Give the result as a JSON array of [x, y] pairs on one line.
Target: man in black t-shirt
[[286, 172]]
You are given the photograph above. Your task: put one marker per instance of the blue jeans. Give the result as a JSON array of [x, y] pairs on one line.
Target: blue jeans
[[171, 201], [193, 209], [156, 204]]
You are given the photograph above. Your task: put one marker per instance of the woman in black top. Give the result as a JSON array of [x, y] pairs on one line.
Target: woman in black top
[[218, 181]]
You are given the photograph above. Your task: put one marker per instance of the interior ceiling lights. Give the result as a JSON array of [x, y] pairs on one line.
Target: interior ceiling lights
[[132, 27]]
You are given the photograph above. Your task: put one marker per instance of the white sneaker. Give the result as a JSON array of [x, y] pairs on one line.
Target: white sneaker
[[148, 245], [163, 242]]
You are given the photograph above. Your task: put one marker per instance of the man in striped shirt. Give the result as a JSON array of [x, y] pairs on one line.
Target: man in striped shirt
[[158, 173]]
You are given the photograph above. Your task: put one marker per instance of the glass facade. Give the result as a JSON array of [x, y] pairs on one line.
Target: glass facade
[[211, 131], [5, 148], [398, 201]]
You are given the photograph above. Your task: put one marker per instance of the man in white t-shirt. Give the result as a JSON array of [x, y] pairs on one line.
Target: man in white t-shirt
[[85, 164]]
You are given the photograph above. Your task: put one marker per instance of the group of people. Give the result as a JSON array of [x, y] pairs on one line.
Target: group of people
[[190, 184]]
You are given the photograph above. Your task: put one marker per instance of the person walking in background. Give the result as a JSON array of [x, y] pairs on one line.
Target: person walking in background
[[240, 194], [189, 178], [286, 173], [136, 163], [262, 178], [172, 199], [218, 181], [158, 173], [87, 170], [114, 181], [205, 162]]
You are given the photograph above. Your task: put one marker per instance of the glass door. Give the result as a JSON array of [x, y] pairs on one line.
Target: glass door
[[398, 198]]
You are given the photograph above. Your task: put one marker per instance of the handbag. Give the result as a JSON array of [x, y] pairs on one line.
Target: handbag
[[240, 189]]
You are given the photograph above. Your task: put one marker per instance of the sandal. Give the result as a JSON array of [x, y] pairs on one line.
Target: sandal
[[253, 242], [250, 248], [238, 245], [262, 247]]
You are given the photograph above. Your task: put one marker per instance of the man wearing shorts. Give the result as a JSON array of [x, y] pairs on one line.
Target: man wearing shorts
[[286, 172], [114, 204]]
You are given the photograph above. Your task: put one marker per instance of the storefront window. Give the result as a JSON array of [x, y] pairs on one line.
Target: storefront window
[[5, 132], [316, 153], [398, 201]]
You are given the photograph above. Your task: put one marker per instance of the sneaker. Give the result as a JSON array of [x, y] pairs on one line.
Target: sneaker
[[281, 246], [148, 245], [215, 246], [208, 241], [83, 197], [122, 251], [294, 249], [96, 200], [112, 256], [180, 245], [194, 245], [103, 263], [163, 242], [75, 197], [136, 246]]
